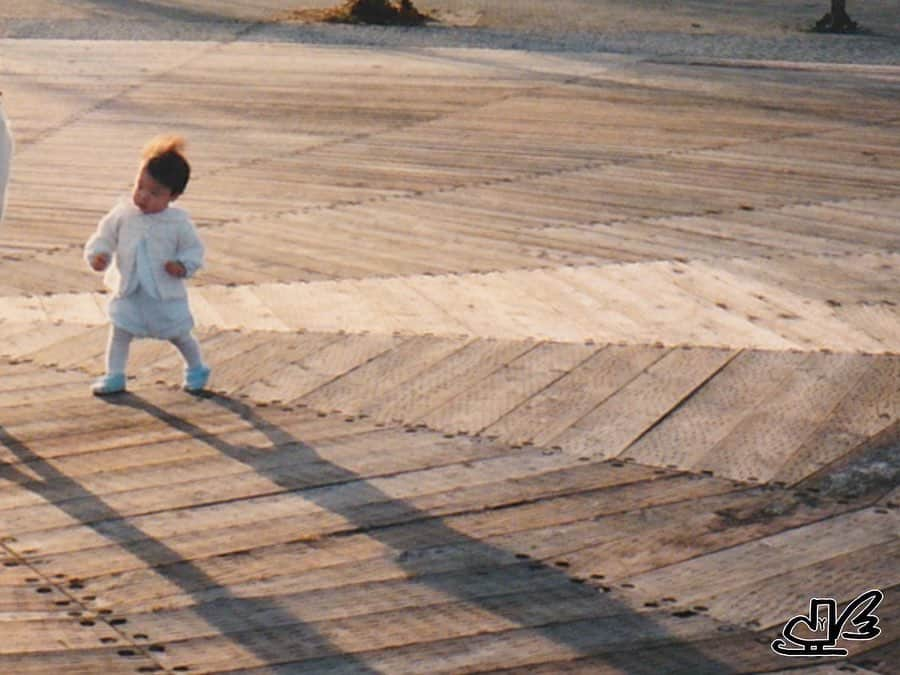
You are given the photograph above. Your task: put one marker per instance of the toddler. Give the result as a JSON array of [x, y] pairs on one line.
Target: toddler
[[148, 248]]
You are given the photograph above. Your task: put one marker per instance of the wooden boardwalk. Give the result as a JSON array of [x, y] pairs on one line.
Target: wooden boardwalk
[[522, 364]]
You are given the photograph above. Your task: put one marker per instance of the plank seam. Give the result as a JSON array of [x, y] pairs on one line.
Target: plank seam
[[681, 402]]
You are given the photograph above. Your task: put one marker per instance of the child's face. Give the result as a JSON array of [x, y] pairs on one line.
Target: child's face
[[149, 195]]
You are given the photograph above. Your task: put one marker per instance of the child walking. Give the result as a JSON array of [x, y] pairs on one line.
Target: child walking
[[148, 248]]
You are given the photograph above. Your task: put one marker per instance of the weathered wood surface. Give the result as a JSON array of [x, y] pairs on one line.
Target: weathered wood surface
[[521, 364]]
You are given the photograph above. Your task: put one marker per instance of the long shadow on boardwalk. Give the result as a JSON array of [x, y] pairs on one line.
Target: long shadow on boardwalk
[[93, 512], [594, 624]]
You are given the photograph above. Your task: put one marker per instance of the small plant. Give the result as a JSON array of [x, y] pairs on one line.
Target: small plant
[[382, 12], [837, 20]]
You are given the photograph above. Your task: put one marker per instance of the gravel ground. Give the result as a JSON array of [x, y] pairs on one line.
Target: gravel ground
[[762, 29]]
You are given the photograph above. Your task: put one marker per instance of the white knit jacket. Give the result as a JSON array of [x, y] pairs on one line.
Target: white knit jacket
[[170, 235]]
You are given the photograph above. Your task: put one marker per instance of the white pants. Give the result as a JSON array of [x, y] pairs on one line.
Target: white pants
[[6, 151], [120, 343]]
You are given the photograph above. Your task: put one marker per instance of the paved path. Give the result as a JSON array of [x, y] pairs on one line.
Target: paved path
[[525, 362]]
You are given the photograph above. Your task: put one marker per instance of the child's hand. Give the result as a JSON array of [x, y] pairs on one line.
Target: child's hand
[[176, 269], [99, 262]]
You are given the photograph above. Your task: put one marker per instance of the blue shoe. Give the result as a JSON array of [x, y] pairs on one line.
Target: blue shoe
[[109, 384], [195, 379]]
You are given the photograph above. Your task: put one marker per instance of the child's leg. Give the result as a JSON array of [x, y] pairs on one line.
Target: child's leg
[[116, 358], [117, 350], [190, 350], [196, 373]]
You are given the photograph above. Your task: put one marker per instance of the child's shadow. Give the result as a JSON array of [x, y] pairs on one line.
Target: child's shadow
[[493, 580], [235, 618], [419, 538]]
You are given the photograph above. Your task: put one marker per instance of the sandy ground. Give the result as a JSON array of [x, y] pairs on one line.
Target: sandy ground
[[742, 17], [760, 29]]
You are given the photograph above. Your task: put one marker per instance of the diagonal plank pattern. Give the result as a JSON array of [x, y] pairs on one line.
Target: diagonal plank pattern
[[522, 364], [749, 415], [168, 536]]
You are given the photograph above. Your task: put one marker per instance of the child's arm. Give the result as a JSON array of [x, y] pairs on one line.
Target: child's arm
[[189, 252], [100, 247]]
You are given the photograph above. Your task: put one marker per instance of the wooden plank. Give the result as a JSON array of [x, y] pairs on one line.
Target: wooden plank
[[385, 249], [457, 372], [149, 489], [303, 484], [248, 356], [768, 232], [684, 437], [11, 329], [495, 227], [465, 245], [741, 315], [878, 321], [60, 634], [550, 412], [219, 348], [762, 559], [807, 324], [732, 649], [86, 347], [168, 537], [31, 426], [88, 660], [456, 650], [93, 475], [476, 409], [46, 391], [286, 261], [374, 379], [594, 314], [398, 306], [828, 669], [22, 385], [613, 319], [780, 424], [872, 405], [819, 226], [29, 337], [771, 603], [611, 428], [306, 374], [472, 302], [275, 570], [559, 540], [881, 657], [488, 593], [243, 305], [850, 279], [711, 519], [675, 317], [516, 307]]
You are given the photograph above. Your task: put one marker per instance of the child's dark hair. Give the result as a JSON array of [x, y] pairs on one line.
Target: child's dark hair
[[165, 162]]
